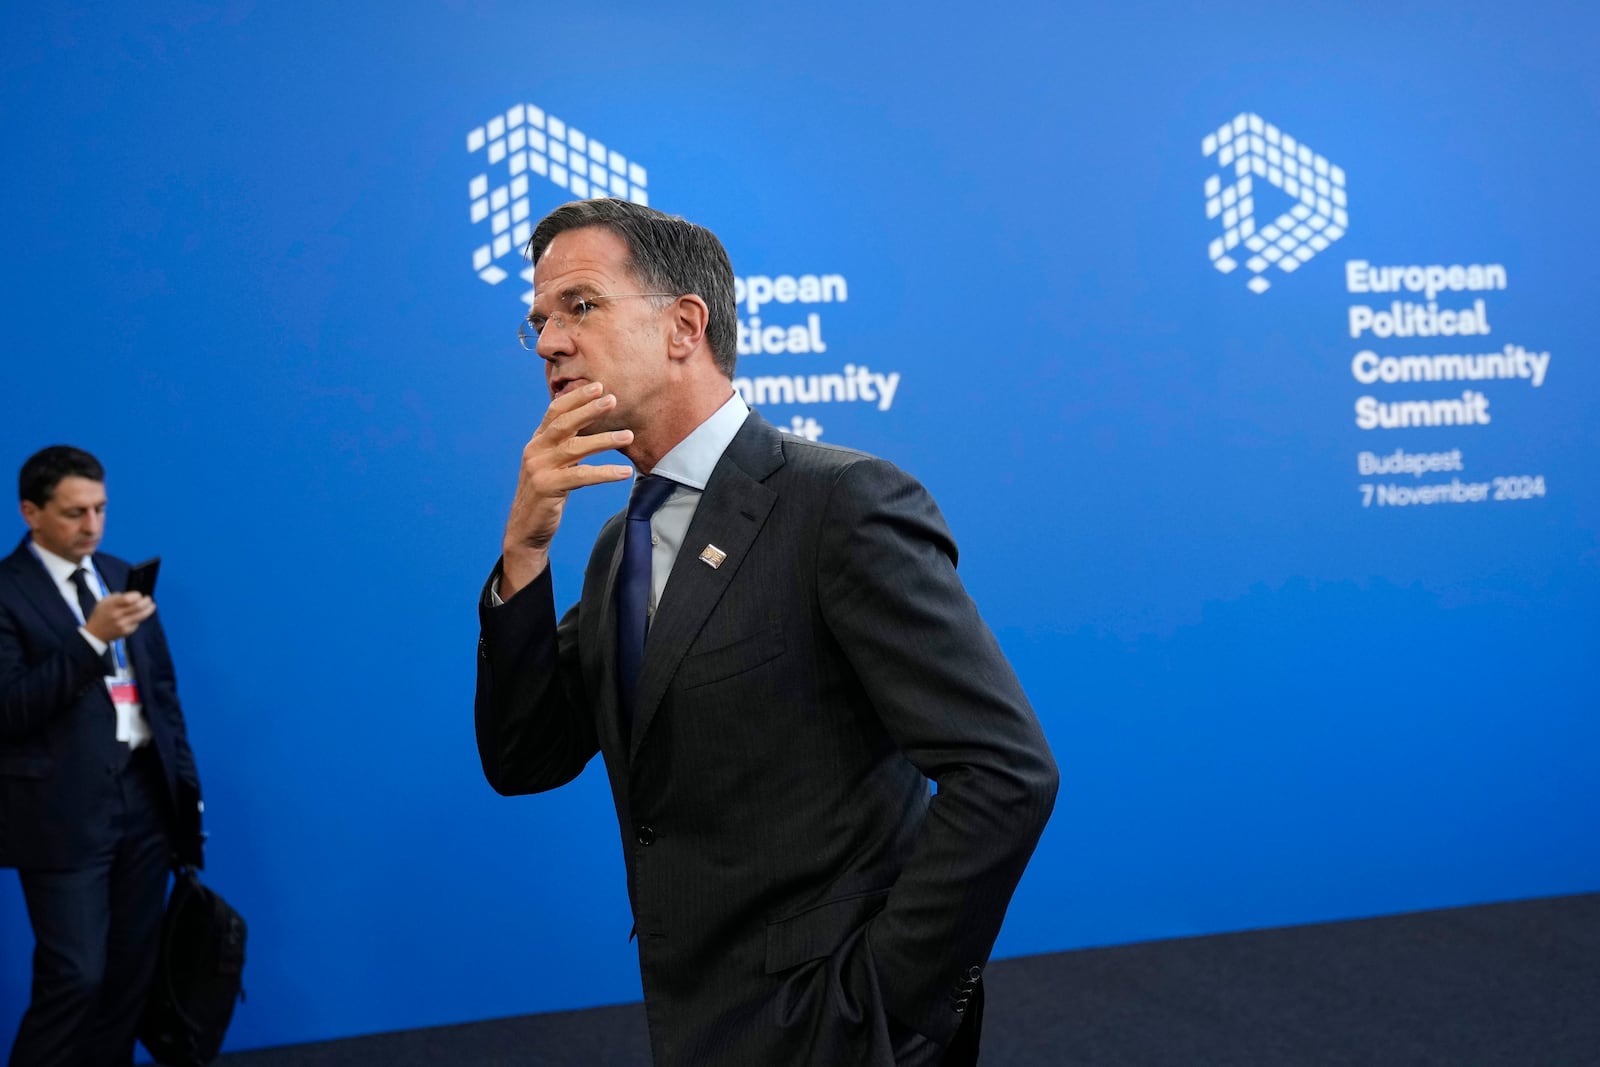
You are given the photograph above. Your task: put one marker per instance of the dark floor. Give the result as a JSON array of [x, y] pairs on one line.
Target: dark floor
[[1500, 985]]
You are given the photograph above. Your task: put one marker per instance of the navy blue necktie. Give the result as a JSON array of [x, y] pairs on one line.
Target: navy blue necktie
[[633, 584]]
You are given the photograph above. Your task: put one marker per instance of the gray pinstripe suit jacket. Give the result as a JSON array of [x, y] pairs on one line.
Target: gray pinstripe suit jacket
[[793, 882]]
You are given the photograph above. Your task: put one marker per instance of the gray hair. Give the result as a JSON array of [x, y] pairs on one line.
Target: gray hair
[[667, 254]]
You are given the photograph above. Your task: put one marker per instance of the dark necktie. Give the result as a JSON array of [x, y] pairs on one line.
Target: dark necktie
[[86, 603], [633, 584]]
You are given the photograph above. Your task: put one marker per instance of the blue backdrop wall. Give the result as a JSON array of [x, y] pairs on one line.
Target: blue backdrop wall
[[263, 261]]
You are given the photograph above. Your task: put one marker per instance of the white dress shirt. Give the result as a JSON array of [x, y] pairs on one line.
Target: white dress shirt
[[132, 728]]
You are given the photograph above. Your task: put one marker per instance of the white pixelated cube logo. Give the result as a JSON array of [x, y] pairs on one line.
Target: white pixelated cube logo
[[527, 142], [1247, 149]]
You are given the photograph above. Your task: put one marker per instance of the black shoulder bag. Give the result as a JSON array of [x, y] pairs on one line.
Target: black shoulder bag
[[199, 975]]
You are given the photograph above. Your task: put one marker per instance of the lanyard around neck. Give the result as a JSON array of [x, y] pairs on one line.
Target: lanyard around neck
[[118, 651]]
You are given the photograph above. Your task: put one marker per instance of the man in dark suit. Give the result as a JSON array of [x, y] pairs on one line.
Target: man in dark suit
[[98, 791], [811, 662]]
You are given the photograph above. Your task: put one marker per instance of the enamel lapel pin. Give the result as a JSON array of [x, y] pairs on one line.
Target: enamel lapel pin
[[712, 556]]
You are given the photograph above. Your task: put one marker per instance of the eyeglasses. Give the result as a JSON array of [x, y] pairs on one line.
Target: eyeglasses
[[574, 309]]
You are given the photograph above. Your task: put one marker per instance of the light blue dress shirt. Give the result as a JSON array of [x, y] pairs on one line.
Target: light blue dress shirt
[[690, 464]]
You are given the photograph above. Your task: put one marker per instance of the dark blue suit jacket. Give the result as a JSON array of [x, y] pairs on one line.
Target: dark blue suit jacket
[[58, 749]]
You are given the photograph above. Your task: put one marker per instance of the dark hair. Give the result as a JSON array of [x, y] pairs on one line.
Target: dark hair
[[45, 468], [667, 254]]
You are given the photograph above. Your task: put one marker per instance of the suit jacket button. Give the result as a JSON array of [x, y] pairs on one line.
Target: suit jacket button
[[973, 973], [644, 835], [483, 649]]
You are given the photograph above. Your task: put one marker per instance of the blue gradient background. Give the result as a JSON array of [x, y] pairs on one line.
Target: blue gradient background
[[237, 267]]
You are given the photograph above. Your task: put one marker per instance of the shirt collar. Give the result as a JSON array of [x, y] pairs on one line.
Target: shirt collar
[[691, 461], [60, 568]]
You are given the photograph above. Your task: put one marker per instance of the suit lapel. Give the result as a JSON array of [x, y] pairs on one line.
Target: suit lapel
[[730, 515], [112, 572], [36, 584], [601, 634]]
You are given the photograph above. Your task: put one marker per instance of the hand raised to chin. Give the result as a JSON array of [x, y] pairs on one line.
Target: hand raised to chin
[[552, 467]]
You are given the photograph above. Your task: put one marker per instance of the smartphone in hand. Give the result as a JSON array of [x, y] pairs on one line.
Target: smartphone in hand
[[142, 576]]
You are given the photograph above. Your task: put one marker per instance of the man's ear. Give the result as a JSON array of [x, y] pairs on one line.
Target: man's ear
[[30, 512], [690, 316]]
